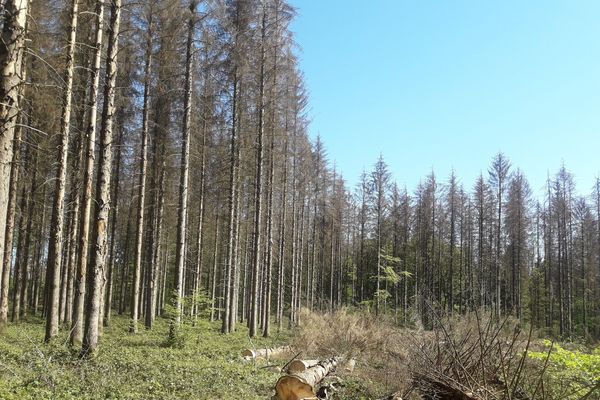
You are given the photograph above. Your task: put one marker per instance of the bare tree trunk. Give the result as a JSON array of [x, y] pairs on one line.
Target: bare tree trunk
[[253, 320], [113, 239], [16, 298], [123, 294], [142, 185], [11, 60], [78, 306], [185, 161], [213, 289], [269, 257], [10, 219], [232, 204], [31, 211], [56, 234], [235, 290], [282, 242], [75, 200], [294, 234], [97, 266], [38, 262], [200, 244]]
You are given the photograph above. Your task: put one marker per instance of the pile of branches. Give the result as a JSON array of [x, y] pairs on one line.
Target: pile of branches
[[480, 359]]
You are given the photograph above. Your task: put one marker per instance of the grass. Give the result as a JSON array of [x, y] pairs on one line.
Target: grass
[[139, 366]]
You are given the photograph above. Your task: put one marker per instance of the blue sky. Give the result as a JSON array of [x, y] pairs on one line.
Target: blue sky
[[442, 84]]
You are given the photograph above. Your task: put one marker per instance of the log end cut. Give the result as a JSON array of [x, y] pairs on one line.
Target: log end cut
[[293, 388]]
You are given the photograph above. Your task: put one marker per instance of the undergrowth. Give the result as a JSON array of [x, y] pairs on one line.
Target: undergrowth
[[139, 366]]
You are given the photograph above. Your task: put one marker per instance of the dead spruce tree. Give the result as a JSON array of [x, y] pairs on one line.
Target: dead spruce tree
[[55, 247], [98, 259], [143, 162], [14, 14], [182, 216], [84, 229]]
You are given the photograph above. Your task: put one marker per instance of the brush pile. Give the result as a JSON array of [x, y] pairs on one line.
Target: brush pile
[[471, 360]]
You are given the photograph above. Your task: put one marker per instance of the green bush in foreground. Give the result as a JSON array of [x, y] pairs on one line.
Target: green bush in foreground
[[570, 374]]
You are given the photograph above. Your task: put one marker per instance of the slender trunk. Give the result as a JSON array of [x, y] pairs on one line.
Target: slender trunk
[[155, 265], [185, 160], [25, 270], [11, 61], [10, 225], [232, 201], [269, 261], [137, 269], [56, 234], [282, 242], [113, 235], [75, 200], [213, 289], [97, 266], [78, 306], [16, 298], [200, 244]]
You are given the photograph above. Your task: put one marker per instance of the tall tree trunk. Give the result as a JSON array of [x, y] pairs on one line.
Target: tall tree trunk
[[31, 211], [75, 200], [200, 243], [37, 275], [253, 320], [185, 161], [10, 223], [11, 62], [213, 289], [78, 306], [97, 266], [14, 15], [16, 298], [56, 234], [113, 239], [142, 185], [269, 257], [234, 155], [282, 242]]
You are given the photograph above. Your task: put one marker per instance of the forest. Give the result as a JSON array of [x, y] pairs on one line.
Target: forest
[[160, 187]]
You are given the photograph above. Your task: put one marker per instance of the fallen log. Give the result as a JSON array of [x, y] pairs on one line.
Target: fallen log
[[300, 365], [301, 385], [250, 354]]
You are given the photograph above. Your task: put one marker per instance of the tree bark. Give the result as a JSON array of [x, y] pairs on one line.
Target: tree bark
[[76, 336], [142, 185], [253, 320], [11, 61], [10, 223], [301, 385], [185, 160], [55, 247], [97, 266]]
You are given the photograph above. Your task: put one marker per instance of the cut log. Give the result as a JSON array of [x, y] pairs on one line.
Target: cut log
[[300, 365], [250, 354], [301, 385]]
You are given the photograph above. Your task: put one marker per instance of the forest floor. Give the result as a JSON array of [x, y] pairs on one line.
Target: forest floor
[[208, 366]]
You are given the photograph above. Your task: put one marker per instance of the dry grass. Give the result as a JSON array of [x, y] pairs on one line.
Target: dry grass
[[472, 356], [381, 349]]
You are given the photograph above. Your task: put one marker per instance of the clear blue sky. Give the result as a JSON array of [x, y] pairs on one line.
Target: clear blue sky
[[448, 83]]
